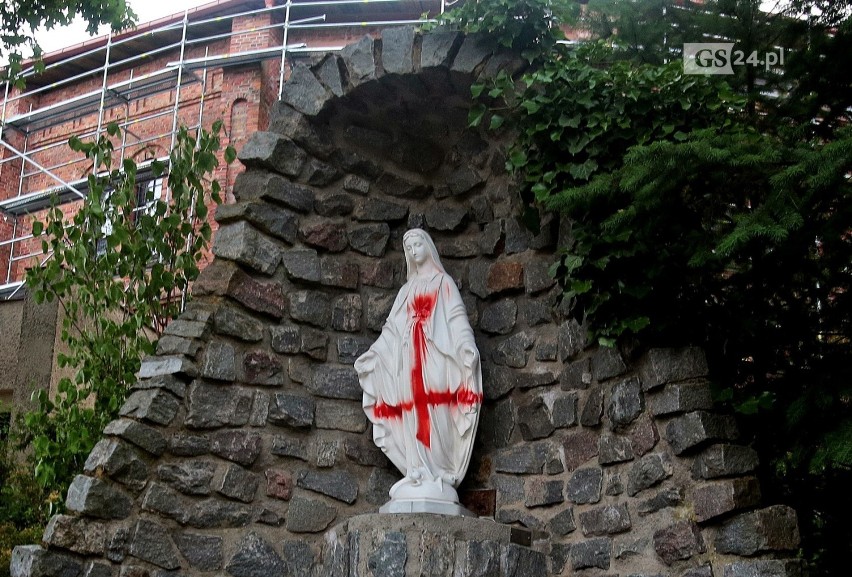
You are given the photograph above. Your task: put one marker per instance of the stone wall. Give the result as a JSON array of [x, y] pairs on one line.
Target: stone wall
[[243, 448]]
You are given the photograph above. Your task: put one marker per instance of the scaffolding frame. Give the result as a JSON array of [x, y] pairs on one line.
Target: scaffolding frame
[[174, 77]]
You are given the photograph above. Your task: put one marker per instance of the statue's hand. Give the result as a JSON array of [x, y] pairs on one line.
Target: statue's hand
[[470, 356], [366, 362]]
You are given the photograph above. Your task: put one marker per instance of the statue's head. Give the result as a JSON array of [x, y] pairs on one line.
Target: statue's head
[[420, 251]]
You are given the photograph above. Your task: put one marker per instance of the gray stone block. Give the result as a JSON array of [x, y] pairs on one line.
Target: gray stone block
[[513, 351], [76, 534], [167, 365], [534, 420], [398, 50], [648, 471], [214, 513], [241, 447], [680, 398], [607, 363], [584, 486], [390, 557], [119, 461], [238, 483], [445, 217], [563, 522], [615, 449], [540, 493], [97, 498], [339, 274], [285, 338], [272, 151], [693, 429], [359, 60], [702, 571], [304, 92], [294, 411], [244, 244], [521, 561], [606, 520], [463, 180], [592, 409], [309, 515], [499, 318], [189, 477], [671, 497], [229, 321], [438, 48], [720, 497], [34, 561], [255, 558], [771, 529], [299, 559], [150, 542], [312, 307], [213, 406], [378, 210], [765, 568], [679, 541], [169, 383], [153, 405], [370, 239], [219, 362], [340, 485], [379, 484], [289, 447], [591, 553], [671, 365], [626, 402], [724, 461], [530, 459], [335, 382], [346, 313], [302, 265], [328, 72], [203, 552], [340, 416], [188, 445], [563, 413]]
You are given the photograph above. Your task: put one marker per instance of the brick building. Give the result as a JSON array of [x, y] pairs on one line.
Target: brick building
[[221, 60]]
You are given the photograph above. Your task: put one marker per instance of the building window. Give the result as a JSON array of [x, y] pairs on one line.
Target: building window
[[147, 195]]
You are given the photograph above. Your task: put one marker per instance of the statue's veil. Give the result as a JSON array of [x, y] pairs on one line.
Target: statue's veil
[[411, 268]]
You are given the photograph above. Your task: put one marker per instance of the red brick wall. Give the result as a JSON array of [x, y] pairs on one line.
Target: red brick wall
[[241, 96]]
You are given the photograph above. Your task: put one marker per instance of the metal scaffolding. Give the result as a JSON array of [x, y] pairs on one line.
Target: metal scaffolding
[[118, 90]]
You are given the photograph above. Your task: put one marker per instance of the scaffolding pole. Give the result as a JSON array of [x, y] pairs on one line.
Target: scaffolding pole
[[284, 48], [179, 78]]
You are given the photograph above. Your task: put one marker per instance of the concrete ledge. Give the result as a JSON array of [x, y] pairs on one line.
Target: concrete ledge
[[428, 544]]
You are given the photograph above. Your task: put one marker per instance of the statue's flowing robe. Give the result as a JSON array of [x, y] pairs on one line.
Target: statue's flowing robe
[[422, 400]]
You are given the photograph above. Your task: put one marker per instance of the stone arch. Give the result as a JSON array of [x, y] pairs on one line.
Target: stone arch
[[243, 447]]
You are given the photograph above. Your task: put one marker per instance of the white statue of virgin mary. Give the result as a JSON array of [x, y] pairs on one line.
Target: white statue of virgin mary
[[422, 385]]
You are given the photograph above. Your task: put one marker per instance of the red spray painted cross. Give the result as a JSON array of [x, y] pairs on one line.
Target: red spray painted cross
[[421, 309]]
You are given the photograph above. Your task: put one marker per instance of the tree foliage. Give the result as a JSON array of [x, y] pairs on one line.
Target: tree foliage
[[710, 210], [119, 270], [19, 20]]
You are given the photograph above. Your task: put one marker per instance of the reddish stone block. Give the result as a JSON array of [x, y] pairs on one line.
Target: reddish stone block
[[714, 499], [279, 484], [505, 275]]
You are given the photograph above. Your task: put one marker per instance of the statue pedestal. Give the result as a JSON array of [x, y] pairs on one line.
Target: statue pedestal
[[415, 544]]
